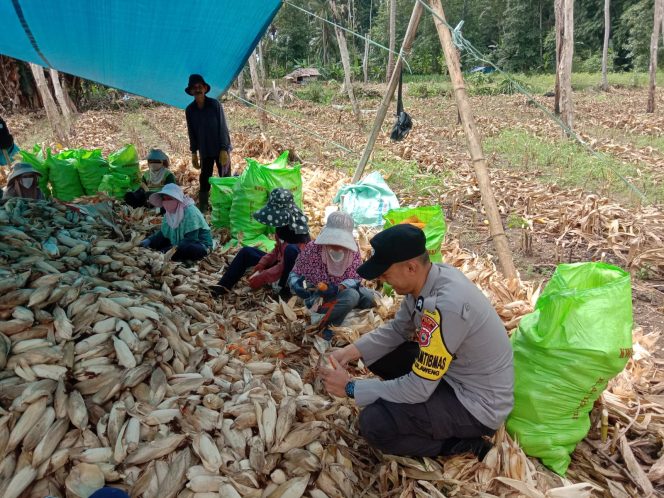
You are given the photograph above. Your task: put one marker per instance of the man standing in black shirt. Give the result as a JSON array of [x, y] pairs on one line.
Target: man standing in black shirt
[[208, 136]]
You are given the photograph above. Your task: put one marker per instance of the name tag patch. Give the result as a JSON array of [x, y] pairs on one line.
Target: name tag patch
[[433, 359]]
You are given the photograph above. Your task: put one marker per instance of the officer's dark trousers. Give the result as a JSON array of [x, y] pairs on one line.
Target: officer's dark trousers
[[422, 429]]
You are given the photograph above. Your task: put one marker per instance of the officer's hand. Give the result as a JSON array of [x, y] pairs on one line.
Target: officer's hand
[[335, 378], [346, 354], [224, 158], [194, 161]]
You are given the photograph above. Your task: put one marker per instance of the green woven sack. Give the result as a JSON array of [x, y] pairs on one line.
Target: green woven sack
[[251, 193], [124, 161], [36, 160], [429, 218], [578, 338], [280, 175], [115, 184], [221, 199], [91, 168], [63, 176]]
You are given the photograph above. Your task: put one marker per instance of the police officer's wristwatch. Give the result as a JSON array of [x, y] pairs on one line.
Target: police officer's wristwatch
[[350, 389]]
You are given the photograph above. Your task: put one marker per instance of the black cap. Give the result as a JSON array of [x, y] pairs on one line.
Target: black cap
[[394, 245]]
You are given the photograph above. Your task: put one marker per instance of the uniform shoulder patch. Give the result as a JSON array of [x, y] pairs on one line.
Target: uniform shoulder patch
[[433, 359]]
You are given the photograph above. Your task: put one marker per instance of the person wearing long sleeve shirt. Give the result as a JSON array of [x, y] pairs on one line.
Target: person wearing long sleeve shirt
[[183, 226], [445, 361], [8, 149], [273, 268], [325, 275], [208, 136]]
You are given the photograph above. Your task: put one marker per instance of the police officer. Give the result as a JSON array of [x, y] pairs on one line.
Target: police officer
[[445, 360]]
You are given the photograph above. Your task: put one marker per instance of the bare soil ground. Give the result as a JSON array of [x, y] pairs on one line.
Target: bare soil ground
[[555, 223]]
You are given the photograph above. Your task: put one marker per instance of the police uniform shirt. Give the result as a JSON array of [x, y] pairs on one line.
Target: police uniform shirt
[[462, 342]]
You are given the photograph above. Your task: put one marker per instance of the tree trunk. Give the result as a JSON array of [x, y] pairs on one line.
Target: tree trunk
[[558, 10], [70, 102], [605, 49], [391, 86], [258, 90], [541, 32], [261, 63], [52, 113], [474, 144], [60, 97], [326, 58], [240, 85], [365, 60], [345, 60], [654, 42], [393, 38], [564, 69]]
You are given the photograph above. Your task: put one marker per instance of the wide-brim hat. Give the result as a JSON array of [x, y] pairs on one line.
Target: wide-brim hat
[[193, 79], [21, 169], [170, 189], [338, 231], [281, 211], [156, 155]]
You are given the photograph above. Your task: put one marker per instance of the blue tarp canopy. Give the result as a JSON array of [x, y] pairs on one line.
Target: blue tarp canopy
[[144, 47]]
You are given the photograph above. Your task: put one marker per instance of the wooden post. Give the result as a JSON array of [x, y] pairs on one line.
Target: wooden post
[[605, 49], [52, 113], [391, 86], [258, 90], [474, 144], [564, 69], [654, 42], [345, 60]]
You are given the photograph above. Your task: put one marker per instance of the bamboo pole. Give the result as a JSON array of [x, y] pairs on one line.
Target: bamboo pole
[[474, 144], [393, 36], [392, 85]]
